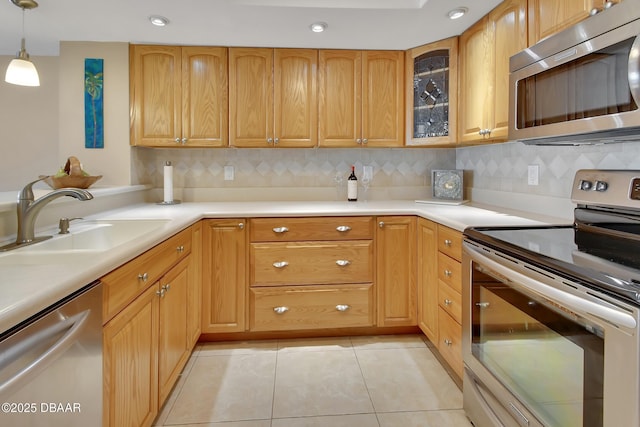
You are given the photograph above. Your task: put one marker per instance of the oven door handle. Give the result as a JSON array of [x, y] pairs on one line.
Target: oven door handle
[[573, 302]]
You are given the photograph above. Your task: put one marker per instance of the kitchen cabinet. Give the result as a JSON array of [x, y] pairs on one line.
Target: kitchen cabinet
[[224, 272], [431, 93], [311, 273], [194, 312], [427, 260], [485, 49], [146, 341], [547, 17], [361, 98], [395, 270], [273, 97], [449, 257], [179, 96]]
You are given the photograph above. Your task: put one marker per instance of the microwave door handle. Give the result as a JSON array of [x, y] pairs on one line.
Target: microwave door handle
[[574, 302], [633, 70], [74, 326]]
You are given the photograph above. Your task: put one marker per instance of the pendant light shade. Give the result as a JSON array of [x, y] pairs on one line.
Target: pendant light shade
[[21, 71]]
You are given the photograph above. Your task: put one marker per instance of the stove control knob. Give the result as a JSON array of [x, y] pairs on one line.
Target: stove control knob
[[585, 185], [601, 186]]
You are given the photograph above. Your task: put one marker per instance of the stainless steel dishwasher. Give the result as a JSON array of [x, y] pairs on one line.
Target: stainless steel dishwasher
[[51, 365]]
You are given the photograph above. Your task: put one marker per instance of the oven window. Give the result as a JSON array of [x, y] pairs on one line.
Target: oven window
[[591, 86], [550, 359]]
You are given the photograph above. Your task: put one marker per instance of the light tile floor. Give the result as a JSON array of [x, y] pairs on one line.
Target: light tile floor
[[381, 381]]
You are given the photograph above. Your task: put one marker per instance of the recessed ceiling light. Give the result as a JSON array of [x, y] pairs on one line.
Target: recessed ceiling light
[[158, 21], [457, 12], [318, 27]]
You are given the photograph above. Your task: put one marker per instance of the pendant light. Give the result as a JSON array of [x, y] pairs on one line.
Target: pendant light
[[21, 71]]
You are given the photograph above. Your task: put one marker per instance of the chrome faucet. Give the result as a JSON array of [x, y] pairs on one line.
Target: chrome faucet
[[28, 210]]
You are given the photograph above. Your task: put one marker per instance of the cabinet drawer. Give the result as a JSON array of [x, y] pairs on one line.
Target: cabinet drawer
[[311, 307], [125, 283], [450, 301], [450, 344], [300, 263], [314, 228], [450, 272], [450, 242]]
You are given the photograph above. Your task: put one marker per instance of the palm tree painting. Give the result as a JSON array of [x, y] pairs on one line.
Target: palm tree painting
[[93, 103]]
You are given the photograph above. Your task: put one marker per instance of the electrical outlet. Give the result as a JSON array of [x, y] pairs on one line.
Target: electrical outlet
[[533, 174], [367, 172], [229, 173]]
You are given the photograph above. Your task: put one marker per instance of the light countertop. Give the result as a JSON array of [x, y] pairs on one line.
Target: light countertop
[[26, 290]]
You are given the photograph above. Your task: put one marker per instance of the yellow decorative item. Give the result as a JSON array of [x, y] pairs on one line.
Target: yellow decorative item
[[71, 176]]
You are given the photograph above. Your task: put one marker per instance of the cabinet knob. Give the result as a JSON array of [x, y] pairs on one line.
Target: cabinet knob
[[448, 273], [448, 342], [275, 141], [483, 304], [448, 302], [144, 277], [343, 307], [184, 141], [280, 264], [161, 292], [343, 262], [358, 140], [381, 224], [280, 310], [177, 140], [166, 287], [180, 249], [343, 228], [448, 242], [365, 140], [280, 230], [269, 140], [241, 226]]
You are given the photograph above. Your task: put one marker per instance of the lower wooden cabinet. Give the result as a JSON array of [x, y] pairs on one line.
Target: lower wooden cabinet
[[428, 278], [224, 272], [395, 270]]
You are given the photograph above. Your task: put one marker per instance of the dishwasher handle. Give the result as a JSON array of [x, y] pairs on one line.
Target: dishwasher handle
[[73, 326]]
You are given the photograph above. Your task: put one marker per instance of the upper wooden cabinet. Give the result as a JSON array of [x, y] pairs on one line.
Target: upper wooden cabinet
[[361, 98], [485, 49], [547, 17], [431, 93], [273, 97], [179, 96]]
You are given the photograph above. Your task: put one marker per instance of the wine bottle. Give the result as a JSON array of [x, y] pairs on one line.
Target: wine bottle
[[352, 186]]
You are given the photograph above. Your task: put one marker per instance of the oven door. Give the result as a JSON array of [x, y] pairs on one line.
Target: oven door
[[541, 350]]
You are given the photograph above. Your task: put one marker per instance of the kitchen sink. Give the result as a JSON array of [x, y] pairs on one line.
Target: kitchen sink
[[43, 257]]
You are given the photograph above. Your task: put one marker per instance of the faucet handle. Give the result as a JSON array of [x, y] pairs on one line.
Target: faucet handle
[[27, 192], [64, 225]]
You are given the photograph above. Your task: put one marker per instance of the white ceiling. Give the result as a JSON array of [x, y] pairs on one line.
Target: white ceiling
[[353, 24]]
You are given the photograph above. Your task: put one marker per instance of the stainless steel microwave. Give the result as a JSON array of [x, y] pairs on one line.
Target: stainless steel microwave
[[581, 85]]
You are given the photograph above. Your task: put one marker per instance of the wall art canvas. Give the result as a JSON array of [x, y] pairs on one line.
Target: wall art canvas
[[93, 103]]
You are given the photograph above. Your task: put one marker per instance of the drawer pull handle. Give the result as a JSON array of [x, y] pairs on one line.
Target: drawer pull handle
[[144, 277], [343, 228], [483, 304], [180, 249], [448, 302], [447, 242], [448, 342], [241, 226], [343, 262], [280, 310], [448, 273], [343, 307], [280, 230], [280, 264]]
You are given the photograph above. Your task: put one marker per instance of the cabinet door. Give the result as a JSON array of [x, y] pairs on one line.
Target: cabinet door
[[340, 98], [205, 111], [383, 98], [431, 81], [295, 99], [510, 37], [250, 97], [224, 271], [130, 364], [547, 17], [395, 264], [194, 306], [428, 279], [155, 95], [173, 340], [476, 65]]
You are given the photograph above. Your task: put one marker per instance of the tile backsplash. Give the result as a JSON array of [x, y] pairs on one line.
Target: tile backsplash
[[288, 168]]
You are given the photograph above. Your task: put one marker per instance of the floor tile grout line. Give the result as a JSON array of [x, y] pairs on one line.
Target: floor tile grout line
[[275, 378], [364, 380]]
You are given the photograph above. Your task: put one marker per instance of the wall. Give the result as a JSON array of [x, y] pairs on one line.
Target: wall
[[28, 125], [114, 161]]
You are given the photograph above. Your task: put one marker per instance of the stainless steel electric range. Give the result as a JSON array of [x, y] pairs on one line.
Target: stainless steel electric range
[[550, 319]]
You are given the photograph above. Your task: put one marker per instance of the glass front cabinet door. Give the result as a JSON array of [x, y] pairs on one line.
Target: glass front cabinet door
[[432, 76]]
